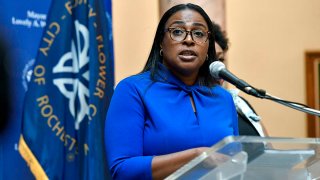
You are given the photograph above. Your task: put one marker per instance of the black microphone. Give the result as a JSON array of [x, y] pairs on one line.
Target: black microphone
[[218, 71]]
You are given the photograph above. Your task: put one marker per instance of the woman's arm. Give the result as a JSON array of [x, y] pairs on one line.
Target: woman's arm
[[164, 165], [124, 140]]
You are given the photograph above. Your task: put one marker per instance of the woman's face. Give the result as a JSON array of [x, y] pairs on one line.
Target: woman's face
[[184, 58]]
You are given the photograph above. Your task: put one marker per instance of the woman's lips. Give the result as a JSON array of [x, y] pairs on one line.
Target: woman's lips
[[187, 55]]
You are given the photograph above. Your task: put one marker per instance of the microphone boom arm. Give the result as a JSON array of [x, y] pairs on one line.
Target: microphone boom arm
[[296, 106], [217, 70], [260, 93]]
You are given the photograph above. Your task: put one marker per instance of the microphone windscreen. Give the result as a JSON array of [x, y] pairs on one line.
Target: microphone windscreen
[[215, 69]]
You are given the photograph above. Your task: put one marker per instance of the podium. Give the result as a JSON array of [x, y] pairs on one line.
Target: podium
[[255, 158]]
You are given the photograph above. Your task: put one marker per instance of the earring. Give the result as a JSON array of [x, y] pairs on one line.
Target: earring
[[207, 57], [161, 52]]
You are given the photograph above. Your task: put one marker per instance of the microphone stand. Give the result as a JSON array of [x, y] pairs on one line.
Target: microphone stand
[[218, 71], [294, 105], [297, 106]]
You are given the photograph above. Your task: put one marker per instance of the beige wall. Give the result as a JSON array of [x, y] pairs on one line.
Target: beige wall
[[268, 41], [134, 26]]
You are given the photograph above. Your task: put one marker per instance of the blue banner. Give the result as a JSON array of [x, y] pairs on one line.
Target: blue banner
[[21, 27], [69, 93]]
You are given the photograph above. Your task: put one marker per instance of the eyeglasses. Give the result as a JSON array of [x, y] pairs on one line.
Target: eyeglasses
[[180, 34]]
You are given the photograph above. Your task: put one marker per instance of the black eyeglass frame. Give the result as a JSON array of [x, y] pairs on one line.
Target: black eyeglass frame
[[169, 29]]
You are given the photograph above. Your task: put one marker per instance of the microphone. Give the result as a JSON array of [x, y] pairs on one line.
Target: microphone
[[218, 71]]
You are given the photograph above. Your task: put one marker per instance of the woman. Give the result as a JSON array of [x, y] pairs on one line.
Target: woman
[[168, 114]]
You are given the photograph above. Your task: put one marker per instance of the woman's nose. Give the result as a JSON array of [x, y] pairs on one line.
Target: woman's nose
[[189, 38]]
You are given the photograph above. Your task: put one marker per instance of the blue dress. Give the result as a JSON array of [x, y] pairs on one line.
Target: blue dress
[[148, 118]]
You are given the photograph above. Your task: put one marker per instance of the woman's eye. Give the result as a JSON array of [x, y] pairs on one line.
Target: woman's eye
[[198, 33], [177, 32]]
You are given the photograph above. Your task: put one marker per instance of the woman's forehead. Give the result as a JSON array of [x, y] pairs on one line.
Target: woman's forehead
[[187, 17]]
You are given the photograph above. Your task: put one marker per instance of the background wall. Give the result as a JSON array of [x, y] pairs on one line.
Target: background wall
[[268, 41], [134, 26]]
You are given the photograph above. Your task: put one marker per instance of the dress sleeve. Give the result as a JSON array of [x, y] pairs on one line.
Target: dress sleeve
[[124, 134]]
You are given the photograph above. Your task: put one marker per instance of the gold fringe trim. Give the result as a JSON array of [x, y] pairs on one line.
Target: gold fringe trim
[[31, 160]]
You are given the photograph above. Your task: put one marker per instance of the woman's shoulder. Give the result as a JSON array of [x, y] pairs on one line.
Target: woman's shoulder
[[218, 89], [136, 80]]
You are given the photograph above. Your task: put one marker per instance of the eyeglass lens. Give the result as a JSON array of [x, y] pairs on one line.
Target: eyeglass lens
[[179, 34]]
